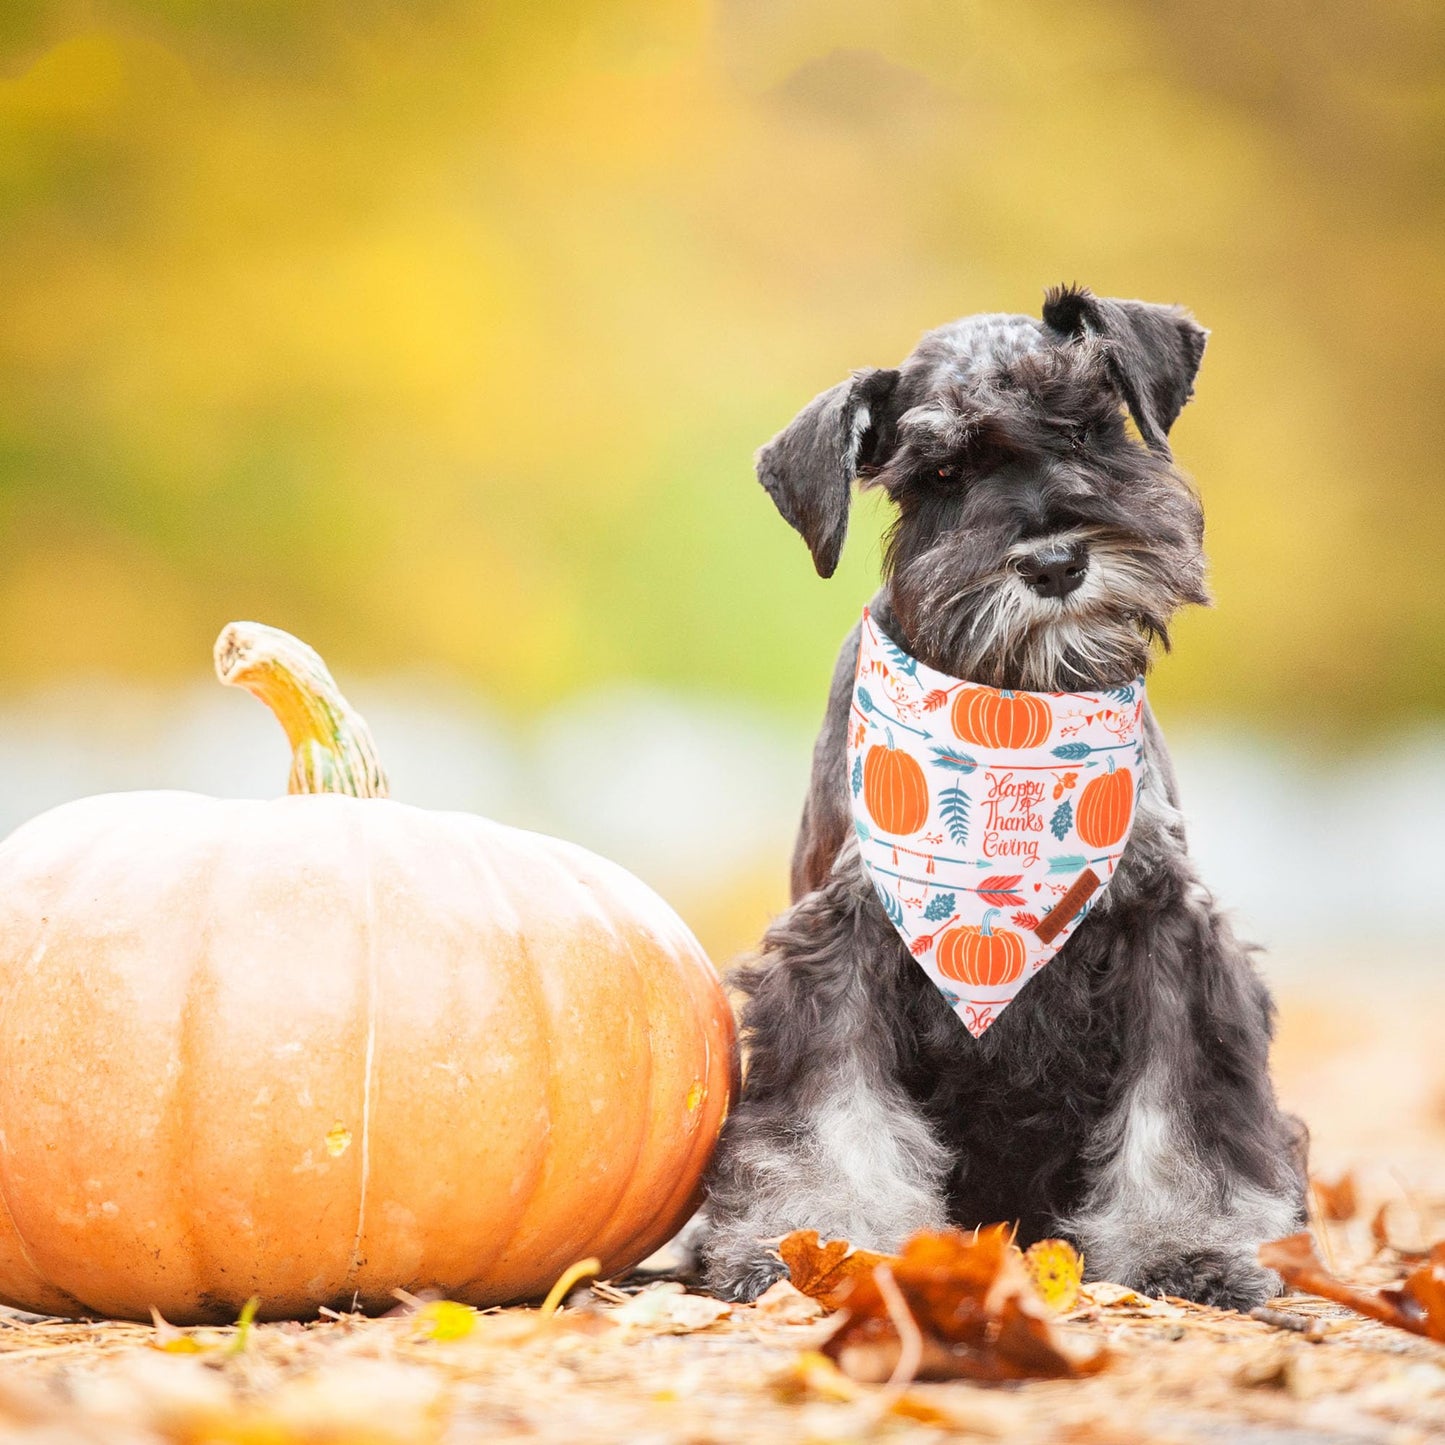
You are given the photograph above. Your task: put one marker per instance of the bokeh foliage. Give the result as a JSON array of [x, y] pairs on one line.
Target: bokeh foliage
[[443, 332]]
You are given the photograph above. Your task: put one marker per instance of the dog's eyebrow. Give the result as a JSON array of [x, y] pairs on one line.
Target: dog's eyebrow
[[933, 418]]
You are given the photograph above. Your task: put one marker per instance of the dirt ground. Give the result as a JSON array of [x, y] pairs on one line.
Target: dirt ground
[[1364, 1065]]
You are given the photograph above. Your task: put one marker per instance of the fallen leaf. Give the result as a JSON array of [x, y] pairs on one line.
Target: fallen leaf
[[1057, 1271], [783, 1302], [1417, 1304], [668, 1309], [171, 1340], [811, 1373], [1337, 1201], [952, 1305], [1380, 1233], [444, 1319], [825, 1271]]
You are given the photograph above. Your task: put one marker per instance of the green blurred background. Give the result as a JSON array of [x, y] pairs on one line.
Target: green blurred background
[[443, 333]]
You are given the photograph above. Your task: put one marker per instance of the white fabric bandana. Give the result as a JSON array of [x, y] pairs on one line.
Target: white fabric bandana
[[988, 820]]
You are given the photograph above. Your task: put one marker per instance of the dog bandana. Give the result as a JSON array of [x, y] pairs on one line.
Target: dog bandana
[[989, 821]]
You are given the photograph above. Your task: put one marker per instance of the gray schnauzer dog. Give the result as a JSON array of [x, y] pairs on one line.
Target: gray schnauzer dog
[[1123, 1100]]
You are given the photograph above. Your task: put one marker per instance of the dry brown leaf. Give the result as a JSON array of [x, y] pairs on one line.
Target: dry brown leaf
[[786, 1304], [1380, 1233], [1109, 1295], [969, 1295], [668, 1309], [1337, 1201], [825, 1272], [1417, 1305]]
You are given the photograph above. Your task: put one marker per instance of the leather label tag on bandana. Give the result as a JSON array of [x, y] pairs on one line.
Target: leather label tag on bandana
[[989, 821]]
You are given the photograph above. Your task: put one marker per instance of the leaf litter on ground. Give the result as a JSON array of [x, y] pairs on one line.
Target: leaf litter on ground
[[966, 1305], [1417, 1304]]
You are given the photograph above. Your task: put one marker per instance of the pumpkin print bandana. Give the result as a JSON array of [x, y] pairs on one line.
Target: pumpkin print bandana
[[989, 821]]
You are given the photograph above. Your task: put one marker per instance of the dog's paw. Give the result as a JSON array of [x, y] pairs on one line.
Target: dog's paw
[[742, 1281], [1228, 1281]]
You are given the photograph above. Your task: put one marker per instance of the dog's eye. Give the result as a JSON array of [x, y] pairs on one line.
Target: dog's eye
[[1080, 439], [945, 471]]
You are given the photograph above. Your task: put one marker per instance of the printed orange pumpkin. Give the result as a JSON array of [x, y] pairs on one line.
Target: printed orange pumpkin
[[322, 1047], [894, 789], [1105, 807], [993, 719], [984, 956]]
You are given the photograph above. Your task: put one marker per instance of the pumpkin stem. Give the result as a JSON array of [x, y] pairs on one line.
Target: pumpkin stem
[[331, 746], [986, 927]]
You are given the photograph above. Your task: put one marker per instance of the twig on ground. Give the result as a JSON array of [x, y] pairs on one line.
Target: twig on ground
[[1312, 1330]]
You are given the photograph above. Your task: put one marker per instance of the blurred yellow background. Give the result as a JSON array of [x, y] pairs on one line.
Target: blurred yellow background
[[442, 334]]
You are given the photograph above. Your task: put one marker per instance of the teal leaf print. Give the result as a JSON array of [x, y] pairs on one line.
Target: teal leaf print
[[940, 906], [1072, 752], [891, 906], [897, 656], [1122, 695], [953, 809], [1068, 863], [861, 828], [857, 775], [953, 760], [1062, 820]]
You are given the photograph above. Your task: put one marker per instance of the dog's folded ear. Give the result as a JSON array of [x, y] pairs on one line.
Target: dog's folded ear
[[1153, 352], [809, 467]]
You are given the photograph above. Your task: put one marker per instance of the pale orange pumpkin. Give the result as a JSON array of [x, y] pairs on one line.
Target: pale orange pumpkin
[[323, 1047], [990, 718], [894, 789], [984, 956], [1105, 807]]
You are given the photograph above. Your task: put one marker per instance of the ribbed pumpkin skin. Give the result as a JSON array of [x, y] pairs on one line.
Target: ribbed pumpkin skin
[[992, 719], [318, 1048], [1105, 807], [967, 954], [894, 790]]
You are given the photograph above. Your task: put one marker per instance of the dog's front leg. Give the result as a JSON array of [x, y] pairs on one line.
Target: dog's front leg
[[1194, 1166], [824, 1137]]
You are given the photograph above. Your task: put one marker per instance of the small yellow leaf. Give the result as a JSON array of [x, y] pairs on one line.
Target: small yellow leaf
[[1057, 1270], [171, 1340], [445, 1319], [811, 1373]]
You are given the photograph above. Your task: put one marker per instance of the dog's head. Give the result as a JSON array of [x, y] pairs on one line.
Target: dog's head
[[1037, 543]]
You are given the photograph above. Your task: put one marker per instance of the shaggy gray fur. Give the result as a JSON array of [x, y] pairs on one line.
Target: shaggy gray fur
[[1123, 1099]]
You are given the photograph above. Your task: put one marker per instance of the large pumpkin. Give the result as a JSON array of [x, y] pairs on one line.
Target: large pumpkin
[[1105, 807], [985, 957], [989, 718], [894, 789], [323, 1047]]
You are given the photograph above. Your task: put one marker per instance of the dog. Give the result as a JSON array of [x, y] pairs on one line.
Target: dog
[[1123, 1100]]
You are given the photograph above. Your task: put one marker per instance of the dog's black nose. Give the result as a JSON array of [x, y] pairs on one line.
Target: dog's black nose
[[1054, 571]]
